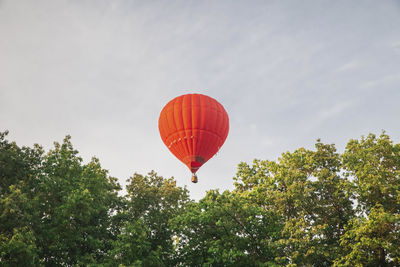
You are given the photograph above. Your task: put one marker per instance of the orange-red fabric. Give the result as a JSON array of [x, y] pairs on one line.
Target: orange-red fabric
[[193, 127]]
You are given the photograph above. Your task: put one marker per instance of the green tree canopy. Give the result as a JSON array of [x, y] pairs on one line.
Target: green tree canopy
[[310, 207]]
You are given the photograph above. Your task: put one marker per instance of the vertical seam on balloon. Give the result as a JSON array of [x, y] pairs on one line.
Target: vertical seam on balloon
[[185, 145], [193, 111], [160, 126], [185, 151], [186, 126], [226, 129], [168, 119], [208, 145], [183, 148], [215, 129], [213, 144], [201, 126], [220, 120], [175, 145], [223, 123], [191, 123], [164, 127]]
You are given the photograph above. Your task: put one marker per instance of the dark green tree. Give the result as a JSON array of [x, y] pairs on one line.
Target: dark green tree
[[19, 168], [55, 210], [76, 203]]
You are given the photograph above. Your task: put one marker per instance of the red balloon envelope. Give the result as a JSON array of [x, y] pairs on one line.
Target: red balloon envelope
[[193, 127]]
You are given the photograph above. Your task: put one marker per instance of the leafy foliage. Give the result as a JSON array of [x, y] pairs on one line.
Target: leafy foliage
[[146, 238], [309, 208], [226, 230]]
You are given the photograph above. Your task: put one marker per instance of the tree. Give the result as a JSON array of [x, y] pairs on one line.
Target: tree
[[76, 202], [54, 209], [372, 238], [308, 208], [307, 189], [226, 230], [18, 171], [146, 237]]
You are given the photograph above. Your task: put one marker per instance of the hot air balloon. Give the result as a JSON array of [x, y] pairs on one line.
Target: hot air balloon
[[193, 127]]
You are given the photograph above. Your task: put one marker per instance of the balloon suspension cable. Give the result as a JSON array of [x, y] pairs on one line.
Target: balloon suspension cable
[[194, 178]]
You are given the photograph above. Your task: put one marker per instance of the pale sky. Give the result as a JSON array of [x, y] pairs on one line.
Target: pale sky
[[287, 72]]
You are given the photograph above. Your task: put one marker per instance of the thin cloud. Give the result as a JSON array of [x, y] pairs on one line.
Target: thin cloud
[[349, 66], [335, 110], [381, 82]]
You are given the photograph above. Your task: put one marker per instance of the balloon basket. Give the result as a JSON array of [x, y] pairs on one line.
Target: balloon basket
[[194, 179]]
